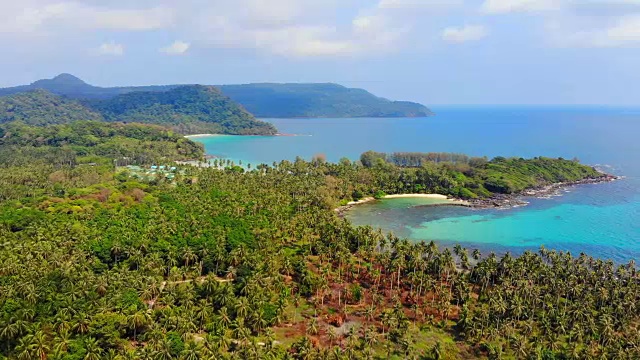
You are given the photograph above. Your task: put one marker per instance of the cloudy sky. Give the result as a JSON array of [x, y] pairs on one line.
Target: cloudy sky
[[431, 51]]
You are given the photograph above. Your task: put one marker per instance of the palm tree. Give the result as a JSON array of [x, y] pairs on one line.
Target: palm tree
[[138, 321], [163, 350], [39, 345], [312, 328], [332, 335], [191, 352], [437, 351], [93, 350]]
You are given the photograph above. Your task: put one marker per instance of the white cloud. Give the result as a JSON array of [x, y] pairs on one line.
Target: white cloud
[[579, 23], [177, 48], [464, 34], [511, 6], [418, 4], [45, 17], [111, 49], [272, 13], [625, 32], [604, 7], [303, 28]]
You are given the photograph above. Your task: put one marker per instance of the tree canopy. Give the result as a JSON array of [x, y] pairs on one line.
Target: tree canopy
[[187, 109], [41, 108], [226, 262]]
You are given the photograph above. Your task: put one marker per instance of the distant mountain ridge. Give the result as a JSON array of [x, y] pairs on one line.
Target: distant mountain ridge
[[266, 100], [318, 100], [73, 87], [186, 109]]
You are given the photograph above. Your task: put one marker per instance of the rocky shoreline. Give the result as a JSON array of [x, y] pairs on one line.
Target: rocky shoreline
[[505, 201]]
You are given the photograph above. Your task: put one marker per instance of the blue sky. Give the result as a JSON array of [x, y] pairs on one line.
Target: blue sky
[[431, 51]]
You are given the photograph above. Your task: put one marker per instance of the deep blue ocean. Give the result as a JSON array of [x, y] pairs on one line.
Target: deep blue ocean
[[601, 220]]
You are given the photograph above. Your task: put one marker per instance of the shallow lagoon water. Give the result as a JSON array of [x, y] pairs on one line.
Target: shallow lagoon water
[[601, 220]]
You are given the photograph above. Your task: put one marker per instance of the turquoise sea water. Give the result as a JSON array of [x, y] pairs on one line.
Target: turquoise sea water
[[600, 220]]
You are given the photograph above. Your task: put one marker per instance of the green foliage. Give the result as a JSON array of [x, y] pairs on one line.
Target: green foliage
[[515, 175], [263, 100], [88, 141], [176, 345], [129, 299], [40, 108], [256, 264], [379, 194], [458, 175], [70, 86], [371, 158], [187, 109]]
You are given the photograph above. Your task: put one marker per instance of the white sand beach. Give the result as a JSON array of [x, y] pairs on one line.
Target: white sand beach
[[428, 196], [401, 196], [201, 135]]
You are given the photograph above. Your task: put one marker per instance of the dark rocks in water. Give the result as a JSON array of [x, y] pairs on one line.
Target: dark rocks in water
[[516, 200]]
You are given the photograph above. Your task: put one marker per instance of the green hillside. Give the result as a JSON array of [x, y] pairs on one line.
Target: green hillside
[[73, 87], [262, 100], [40, 107], [185, 109], [318, 100], [93, 142], [188, 109]]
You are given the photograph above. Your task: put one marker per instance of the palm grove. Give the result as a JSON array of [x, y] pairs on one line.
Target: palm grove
[[228, 263]]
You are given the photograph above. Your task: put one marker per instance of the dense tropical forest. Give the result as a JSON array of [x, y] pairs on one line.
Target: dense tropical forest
[[40, 107], [230, 262], [187, 110], [38, 160], [262, 100], [461, 176]]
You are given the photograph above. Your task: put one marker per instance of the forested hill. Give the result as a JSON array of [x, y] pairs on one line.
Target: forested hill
[[318, 100], [92, 142], [186, 109], [73, 87], [40, 107], [263, 100]]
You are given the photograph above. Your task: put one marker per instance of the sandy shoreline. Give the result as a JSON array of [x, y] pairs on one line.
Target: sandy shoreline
[[428, 196], [200, 135], [449, 201], [402, 196]]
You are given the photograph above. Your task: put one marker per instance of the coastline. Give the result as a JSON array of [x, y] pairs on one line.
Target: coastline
[[427, 196], [201, 135], [507, 201], [342, 210], [497, 201]]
